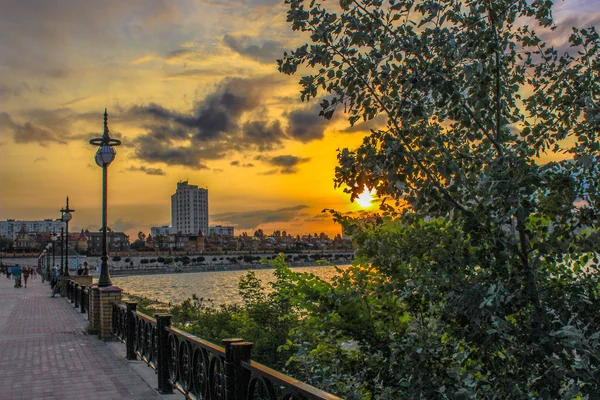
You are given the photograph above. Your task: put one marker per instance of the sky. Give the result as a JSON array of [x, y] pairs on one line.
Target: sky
[[192, 90]]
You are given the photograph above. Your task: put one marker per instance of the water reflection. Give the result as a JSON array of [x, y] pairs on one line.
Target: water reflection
[[219, 286]]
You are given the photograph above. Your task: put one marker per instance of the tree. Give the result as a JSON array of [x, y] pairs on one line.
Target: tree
[[6, 243], [259, 233], [480, 244]]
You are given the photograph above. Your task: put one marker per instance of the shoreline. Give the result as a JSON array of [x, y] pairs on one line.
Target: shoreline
[[213, 268]]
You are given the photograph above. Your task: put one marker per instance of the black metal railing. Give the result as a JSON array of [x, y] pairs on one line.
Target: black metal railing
[[200, 369], [79, 295]]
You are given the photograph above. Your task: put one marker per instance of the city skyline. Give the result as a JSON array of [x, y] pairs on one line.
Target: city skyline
[[192, 90]]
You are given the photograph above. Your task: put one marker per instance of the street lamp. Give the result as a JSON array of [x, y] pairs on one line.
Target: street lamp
[[54, 239], [66, 217], [47, 251], [104, 156]]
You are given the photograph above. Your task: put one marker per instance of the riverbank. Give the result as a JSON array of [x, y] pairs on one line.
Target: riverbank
[[212, 268]]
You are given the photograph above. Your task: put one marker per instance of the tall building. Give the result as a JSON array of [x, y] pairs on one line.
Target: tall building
[[189, 209]]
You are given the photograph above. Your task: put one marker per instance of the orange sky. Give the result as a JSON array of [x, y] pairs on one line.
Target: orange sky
[[192, 90]]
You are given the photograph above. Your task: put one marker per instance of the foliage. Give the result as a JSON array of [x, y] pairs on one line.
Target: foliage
[[6, 244], [479, 278], [262, 318]]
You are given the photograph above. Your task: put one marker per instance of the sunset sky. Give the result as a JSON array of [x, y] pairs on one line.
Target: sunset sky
[[192, 90]]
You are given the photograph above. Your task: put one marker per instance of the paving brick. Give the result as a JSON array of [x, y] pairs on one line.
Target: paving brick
[[46, 354]]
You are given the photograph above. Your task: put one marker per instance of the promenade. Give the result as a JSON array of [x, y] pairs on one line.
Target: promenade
[[46, 354]]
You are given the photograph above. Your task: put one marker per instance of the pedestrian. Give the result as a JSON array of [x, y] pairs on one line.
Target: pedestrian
[[26, 274], [54, 278], [9, 272], [86, 270], [17, 274], [80, 270]]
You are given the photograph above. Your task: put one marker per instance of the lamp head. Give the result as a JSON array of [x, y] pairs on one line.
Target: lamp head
[[66, 217], [105, 155]]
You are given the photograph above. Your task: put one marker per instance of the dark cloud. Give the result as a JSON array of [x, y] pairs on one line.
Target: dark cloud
[[179, 54], [306, 125], [253, 219], [237, 163], [287, 163], [30, 133], [263, 134], [148, 171], [211, 130], [267, 52]]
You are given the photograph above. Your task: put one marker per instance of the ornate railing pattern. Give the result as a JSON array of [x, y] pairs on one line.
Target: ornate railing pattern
[[200, 369]]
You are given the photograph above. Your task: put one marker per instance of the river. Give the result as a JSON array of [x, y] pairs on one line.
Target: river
[[219, 286]]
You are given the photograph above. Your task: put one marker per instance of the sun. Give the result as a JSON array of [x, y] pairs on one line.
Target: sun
[[365, 198]]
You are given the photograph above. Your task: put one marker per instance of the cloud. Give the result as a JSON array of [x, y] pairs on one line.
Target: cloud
[[40, 159], [121, 225], [148, 171], [306, 125], [237, 163], [266, 52], [30, 133], [264, 135], [14, 90], [179, 54], [211, 130], [286, 163], [253, 219]]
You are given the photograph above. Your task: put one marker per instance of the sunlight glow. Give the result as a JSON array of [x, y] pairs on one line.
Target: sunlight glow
[[366, 198]]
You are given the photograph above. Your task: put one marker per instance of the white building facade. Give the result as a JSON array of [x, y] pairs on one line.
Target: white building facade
[[11, 227], [189, 209]]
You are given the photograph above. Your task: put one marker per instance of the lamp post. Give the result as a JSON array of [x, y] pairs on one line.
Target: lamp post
[[66, 217], [104, 156], [54, 239], [47, 251], [62, 247]]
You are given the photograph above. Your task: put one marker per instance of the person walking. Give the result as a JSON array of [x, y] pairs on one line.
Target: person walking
[[54, 278], [17, 275], [26, 274]]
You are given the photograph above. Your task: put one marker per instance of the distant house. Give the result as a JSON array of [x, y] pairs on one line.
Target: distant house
[[117, 241]]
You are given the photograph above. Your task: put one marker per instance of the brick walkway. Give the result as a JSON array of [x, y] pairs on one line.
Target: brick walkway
[[45, 353]]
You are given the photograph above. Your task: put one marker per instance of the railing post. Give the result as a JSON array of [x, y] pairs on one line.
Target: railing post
[[83, 305], [130, 330], [76, 297], [163, 322], [242, 352], [230, 368]]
